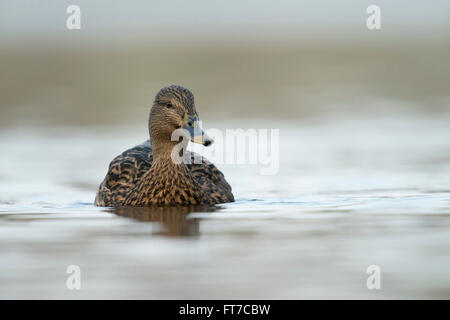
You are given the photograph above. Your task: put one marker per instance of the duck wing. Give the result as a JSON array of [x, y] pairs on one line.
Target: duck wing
[[211, 179], [124, 172]]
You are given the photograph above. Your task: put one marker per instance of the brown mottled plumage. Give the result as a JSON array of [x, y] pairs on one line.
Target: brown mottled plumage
[[146, 174]]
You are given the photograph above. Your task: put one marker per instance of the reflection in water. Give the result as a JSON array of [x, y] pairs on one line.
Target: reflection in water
[[174, 220]]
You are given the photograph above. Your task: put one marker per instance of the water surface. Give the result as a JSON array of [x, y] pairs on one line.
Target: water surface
[[350, 192]]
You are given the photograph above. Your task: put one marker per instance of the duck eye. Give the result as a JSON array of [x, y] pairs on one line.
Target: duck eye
[[169, 105]]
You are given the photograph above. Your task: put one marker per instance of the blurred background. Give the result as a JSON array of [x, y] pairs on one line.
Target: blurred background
[[251, 59], [364, 147]]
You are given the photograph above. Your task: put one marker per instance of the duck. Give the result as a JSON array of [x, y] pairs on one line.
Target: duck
[[161, 171]]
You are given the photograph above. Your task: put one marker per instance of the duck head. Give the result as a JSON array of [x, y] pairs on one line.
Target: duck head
[[173, 109]]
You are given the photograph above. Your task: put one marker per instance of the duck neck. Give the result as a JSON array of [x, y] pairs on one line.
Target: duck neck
[[168, 161], [170, 153]]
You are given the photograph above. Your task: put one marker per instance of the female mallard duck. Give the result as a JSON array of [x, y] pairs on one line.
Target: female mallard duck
[[151, 174]]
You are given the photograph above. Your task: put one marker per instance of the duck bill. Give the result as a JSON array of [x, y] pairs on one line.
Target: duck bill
[[198, 135]]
